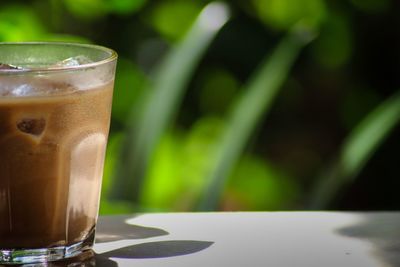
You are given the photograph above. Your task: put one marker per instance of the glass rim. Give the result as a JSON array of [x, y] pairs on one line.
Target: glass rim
[[112, 56]]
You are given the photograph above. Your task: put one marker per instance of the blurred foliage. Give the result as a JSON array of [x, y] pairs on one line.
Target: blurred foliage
[[372, 6], [283, 14], [357, 149], [96, 9], [172, 18], [163, 95], [128, 88], [19, 23], [201, 119], [217, 91], [256, 185], [80, 8], [195, 149], [255, 101], [334, 54]]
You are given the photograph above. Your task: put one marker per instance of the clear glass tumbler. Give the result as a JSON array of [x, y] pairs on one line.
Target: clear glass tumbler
[[55, 107]]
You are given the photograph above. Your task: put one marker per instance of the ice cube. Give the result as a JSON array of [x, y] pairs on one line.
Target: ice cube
[[34, 126], [74, 61], [23, 90], [34, 86], [92, 77]]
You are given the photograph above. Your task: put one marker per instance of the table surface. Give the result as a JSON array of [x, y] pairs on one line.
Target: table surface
[[273, 239]]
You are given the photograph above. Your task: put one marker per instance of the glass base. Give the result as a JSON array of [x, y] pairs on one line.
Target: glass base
[[37, 255]]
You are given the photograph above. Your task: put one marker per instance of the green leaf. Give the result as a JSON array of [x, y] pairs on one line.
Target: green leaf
[[113, 146], [358, 148], [87, 9], [257, 185], [158, 190], [53, 37], [195, 148], [173, 18], [217, 91], [350, 114], [109, 206], [128, 88], [334, 45], [116, 207], [19, 23], [125, 7], [284, 14], [251, 106], [372, 6], [95, 9], [159, 106]]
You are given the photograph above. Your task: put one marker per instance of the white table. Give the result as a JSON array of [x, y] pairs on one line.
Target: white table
[[271, 239]]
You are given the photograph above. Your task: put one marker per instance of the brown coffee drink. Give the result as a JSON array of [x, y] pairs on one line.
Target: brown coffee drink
[[52, 145]]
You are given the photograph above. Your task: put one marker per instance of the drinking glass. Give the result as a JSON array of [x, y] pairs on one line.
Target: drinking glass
[[55, 107]]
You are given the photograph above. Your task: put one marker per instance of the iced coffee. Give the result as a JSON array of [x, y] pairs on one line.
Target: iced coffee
[[54, 123]]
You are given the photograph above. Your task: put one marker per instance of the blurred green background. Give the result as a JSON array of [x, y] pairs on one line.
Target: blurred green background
[[243, 104]]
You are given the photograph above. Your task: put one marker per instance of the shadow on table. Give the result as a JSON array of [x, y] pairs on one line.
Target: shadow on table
[[160, 249], [151, 250], [383, 231], [113, 229]]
